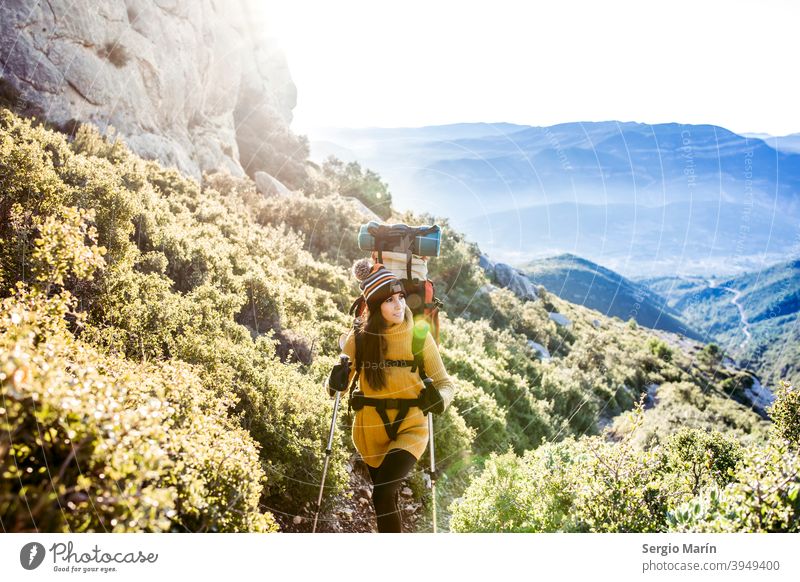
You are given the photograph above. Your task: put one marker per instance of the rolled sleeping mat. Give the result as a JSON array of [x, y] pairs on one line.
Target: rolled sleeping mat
[[426, 240]]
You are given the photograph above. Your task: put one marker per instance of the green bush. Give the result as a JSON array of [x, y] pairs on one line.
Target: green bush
[[660, 349], [496, 501], [785, 411], [97, 443], [735, 386], [763, 496], [700, 458], [513, 494], [329, 225], [573, 402], [499, 364], [481, 413], [179, 271], [619, 489], [711, 355]]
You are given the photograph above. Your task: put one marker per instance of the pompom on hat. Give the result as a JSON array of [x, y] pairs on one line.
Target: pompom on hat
[[377, 283]]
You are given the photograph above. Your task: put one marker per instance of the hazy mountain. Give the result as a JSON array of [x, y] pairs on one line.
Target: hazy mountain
[[710, 237], [643, 199], [784, 143], [586, 283]]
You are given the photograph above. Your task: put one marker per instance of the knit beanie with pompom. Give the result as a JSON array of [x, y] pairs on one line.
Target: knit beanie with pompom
[[377, 282]]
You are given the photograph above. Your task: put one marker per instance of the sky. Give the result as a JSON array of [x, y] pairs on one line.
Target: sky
[[412, 63]]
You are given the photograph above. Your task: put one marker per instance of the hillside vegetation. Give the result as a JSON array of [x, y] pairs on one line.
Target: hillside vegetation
[[163, 345], [753, 316]]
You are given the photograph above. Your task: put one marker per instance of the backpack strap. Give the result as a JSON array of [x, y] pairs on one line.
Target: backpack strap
[[359, 351], [357, 374], [417, 348]]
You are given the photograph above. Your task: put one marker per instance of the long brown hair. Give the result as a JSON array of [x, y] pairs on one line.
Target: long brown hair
[[372, 347]]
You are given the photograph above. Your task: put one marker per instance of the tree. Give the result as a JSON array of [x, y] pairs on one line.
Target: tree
[[365, 185], [711, 355]]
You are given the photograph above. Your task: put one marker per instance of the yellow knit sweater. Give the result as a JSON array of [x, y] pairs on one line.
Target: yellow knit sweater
[[369, 433]]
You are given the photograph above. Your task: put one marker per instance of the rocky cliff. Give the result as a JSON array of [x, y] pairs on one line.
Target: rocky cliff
[[192, 83]]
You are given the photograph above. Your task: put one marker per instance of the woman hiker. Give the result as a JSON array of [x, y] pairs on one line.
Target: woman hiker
[[391, 389]]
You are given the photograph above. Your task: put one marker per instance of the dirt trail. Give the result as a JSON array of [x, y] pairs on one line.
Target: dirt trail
[[735, 300]]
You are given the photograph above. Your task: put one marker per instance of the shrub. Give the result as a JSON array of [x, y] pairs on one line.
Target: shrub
[[764, 496], [619, 489], [785, 411], [532, 493], [481, 413], [498, 501], [97, 443], [711, 355], [659, 349], [329, 225], [700, 458]]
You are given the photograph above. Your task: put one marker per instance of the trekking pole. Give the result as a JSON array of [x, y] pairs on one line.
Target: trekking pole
[[432, 470], [328, 450]]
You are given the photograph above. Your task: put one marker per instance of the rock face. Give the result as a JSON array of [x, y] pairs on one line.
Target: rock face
[[191, 83], [508, 277]]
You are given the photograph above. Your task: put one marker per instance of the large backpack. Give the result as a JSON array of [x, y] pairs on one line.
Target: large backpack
[[394, 246], [398, 247]]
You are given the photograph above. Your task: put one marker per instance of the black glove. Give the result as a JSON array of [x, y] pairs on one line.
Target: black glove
[[430, 399], [340, 375]]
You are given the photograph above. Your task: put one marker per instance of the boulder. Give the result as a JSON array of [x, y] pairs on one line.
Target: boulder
[[508, 277], [270, 186], [560, 319], [544, 353]]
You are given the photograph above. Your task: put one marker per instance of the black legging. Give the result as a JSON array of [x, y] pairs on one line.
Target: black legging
[[396, 465]]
